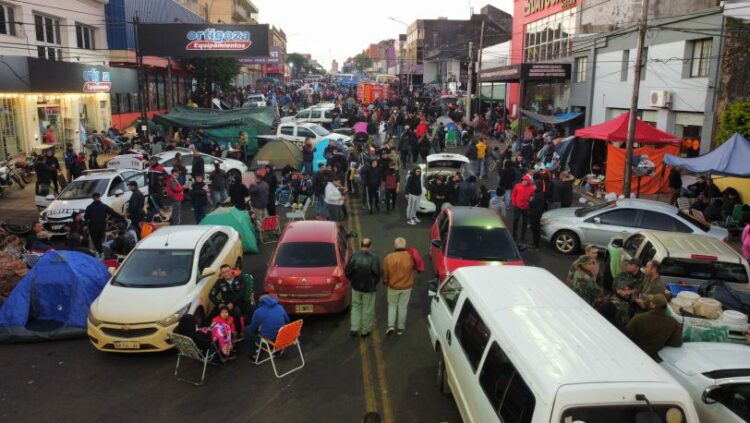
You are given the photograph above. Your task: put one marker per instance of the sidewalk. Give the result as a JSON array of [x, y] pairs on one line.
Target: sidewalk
[[17, 206]]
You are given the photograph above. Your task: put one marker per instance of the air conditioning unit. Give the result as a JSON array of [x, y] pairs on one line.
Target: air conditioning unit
[[660, 98]]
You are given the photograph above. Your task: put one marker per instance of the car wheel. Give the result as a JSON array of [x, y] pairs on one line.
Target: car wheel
[[200, 316], [233, 176], [442, 377], [566, 242]]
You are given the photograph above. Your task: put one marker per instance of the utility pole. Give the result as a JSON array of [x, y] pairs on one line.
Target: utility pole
[[468, 83], [479, 72], [642, 28]]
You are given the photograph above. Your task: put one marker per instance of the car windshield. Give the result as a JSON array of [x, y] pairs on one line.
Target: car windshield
[[155, 269], [78, 190], [255, 98], [306, 254], [705, 227], [446, 164], [319, 130], [583, 211], [704, 270], [624, 413], [481, 243]]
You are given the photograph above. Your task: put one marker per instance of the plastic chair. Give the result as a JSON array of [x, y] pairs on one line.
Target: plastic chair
[[270, 230], [299, 215], [288, 336], [187, 348]]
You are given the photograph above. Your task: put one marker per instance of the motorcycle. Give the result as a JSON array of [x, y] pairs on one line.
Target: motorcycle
[[19, 230], [21, 169]]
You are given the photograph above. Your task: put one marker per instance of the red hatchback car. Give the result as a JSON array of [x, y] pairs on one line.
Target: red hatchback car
[[470, 236], [306, 272]]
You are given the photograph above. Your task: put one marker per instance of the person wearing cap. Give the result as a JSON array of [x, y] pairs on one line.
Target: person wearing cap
[[616, 307], [259, 195], [655, 329], [589, 250], [583, 281], [652, 285], [632, 274], [136, 203], [96, 215], [175, 192], [520, 198]]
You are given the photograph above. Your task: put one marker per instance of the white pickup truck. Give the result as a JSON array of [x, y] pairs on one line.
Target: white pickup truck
[[297, 132]]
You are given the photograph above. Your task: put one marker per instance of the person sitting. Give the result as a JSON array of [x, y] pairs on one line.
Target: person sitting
[[655, 329], [38, 238], [713, 211], [701, 203], [12, 246], [632, 275], [124, 241], [652, 285], [229, 291], [224, 317], [221, 332], [616, 307], [267, 319], [284, 189], [694, 189], [188, 327]]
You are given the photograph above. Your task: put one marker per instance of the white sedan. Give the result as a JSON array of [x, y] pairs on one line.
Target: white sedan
[[445, 164], [233, 168]]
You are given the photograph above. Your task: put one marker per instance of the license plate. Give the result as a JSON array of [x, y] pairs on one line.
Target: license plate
[[303, 308], [56, 227], [127, 345]]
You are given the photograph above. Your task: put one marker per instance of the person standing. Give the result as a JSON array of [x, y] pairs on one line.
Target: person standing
[[156, 175], [675, 185], [472, 154], [49, 135], [520, 198], [424, 147], [198, 167], [372, 177], [481, 156], [238, 194], [176, 195], [199, 199], [136, 204], [54, 164], [398, 276], [404, 145], [413, 194], [318, 188], [69, 158], [536, 208], [467, 192], [259, 195], [218, 185], [652, 285], [439, 194], [243, 141], [392, 185], [334, 200], [96, 215], [363, 271], [273, 185], [308, 155]]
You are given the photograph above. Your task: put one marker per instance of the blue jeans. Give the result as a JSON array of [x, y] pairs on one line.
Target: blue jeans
[[218, 197], [482, 169], [199, 212], [307, 167], [320, 206], [506, 196]]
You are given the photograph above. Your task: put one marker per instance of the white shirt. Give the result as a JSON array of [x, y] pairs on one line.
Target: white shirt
[[333, 195]]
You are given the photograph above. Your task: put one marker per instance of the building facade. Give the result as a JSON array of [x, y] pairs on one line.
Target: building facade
[[334, 66], [55, 73]]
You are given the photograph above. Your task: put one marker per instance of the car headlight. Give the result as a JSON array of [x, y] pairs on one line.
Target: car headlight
[[545, 221], [94, 321], [174, 317]]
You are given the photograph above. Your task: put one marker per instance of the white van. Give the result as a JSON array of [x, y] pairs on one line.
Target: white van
[[516, 344]]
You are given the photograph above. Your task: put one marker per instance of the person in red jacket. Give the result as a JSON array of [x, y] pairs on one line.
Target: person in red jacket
[[519, 199], [175, 193], [422, 129]]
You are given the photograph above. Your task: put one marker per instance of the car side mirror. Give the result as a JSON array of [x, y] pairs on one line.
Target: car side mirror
[[118, 192], [597, 220], [208, 271], [432, 287], [708, 393], [436, 243], [50, 197], [618, 242]]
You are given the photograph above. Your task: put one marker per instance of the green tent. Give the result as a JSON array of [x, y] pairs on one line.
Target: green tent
[[240, 221], [279, 153]]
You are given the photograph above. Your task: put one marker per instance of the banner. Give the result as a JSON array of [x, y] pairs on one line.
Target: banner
[[203, 40], [275, 58], [649, 184]]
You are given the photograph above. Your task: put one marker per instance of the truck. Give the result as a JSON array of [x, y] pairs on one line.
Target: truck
[[297, 132]]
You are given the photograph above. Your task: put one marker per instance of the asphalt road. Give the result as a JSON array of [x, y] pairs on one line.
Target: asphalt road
[[343, 377]]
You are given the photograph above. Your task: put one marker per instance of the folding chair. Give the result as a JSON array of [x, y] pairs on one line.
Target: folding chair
[[299, 215], [683, 203], [187, 348], [288, 335], [270, 230]]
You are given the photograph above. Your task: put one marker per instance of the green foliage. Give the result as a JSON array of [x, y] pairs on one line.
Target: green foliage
[[217, 70], [362, 61], [736, 118]]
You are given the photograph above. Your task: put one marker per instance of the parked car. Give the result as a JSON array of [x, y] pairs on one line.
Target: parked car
[[167, 275], [717, 377], [255, 100], [470, 236], [306, 272], [685, 258], [233, 168], [319, 114], [445, 164], [297, 132], [77, 195], [570, 228], [515, 344]]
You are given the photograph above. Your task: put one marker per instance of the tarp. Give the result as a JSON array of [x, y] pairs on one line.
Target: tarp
[[649, 184], [237, 219], [52, 301], [259, 118], [617, 130], [551, 119], [319, 155], [280, 153], [732, 158]]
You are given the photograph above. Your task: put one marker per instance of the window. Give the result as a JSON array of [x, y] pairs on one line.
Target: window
[[647, 253], [472, 334], [208, 160], [581, 69], [663, 222], [304, 132], [138, 177], [85, 37], [550, 38], [625, 65], [633, 243], [703, 270], [219, 240], [508, 393], [315, 114], [7, 20], [700, 60], [47, 30], [155, 268], [449, 292], [117, 184], [287, 130], [306, 254], [619, 217]]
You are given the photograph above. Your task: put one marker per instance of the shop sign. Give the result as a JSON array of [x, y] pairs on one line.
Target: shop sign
[[547, 71], [200, 40], [533, 6], [273, 59], [96, 81]]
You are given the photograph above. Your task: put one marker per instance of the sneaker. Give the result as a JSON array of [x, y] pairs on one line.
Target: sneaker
[[287, 205], [390, 330], [411, 222], [400, 332], [353, 333], [416, 219]]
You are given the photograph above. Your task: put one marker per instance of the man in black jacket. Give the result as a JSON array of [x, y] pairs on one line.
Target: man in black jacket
[[238, 194], [197, 165], [363, 270], [96, 219], [229, 291], [373, 177], [135, 206]]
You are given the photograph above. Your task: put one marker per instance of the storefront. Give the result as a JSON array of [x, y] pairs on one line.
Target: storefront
[[544, 87], [71, 98]]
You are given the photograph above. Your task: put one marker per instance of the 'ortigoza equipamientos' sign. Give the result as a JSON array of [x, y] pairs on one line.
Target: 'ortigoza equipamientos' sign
[[533, 6], [203, 40]]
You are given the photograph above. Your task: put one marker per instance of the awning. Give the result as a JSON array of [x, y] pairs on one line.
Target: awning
[[730, 159], [617, 130], [551, 119]]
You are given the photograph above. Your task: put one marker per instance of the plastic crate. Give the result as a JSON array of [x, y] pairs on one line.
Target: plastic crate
[[676, 288]]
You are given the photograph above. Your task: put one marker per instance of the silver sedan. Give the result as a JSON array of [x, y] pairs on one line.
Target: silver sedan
[[570, 228]]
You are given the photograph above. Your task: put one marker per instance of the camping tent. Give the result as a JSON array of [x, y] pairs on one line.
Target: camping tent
[[319, 155], [617, 130], [52, 301], [237, 219], [730, 159], [280, 153]]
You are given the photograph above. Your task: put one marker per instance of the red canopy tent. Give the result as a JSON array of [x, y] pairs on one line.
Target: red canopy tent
[[617, 130]]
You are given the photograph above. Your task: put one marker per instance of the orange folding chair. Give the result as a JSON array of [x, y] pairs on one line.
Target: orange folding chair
[[288, 336], [270, 229]]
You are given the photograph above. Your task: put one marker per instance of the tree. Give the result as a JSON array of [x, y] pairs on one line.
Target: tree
[[298, 62], [736, 118], [362, 62], [220, 71]]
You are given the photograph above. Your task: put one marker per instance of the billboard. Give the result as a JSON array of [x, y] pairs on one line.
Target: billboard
[[203, 40], [275, 58]]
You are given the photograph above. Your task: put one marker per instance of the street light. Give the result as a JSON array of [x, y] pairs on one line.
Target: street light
[[396, 20]]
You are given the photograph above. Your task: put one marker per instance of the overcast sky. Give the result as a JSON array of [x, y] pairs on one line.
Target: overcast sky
[[337, 29]]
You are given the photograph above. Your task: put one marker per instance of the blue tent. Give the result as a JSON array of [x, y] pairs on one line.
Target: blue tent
[[319, 155], [729, 159], [52, 301]]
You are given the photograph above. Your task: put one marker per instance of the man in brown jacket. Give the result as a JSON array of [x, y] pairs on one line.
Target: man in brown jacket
[[398, 276], [655, 330]]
